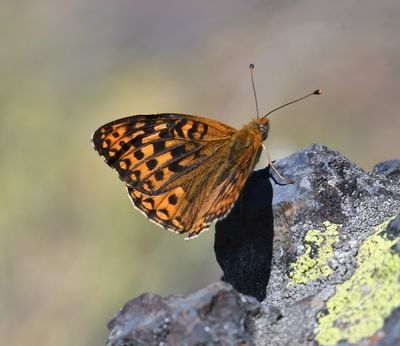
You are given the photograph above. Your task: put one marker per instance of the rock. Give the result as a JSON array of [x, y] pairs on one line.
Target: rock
[[322, 254], [389, 168], [217, 314]]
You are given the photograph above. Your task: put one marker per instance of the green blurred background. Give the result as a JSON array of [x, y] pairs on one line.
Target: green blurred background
[[73, 249]]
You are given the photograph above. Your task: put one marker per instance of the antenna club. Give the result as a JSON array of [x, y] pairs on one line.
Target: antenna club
[[317, 92], [251, 67]]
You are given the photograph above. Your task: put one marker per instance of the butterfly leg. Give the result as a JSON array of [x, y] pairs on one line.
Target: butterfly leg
[[271, 164]]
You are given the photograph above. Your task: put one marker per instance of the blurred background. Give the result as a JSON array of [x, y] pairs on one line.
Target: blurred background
[[73, 249]]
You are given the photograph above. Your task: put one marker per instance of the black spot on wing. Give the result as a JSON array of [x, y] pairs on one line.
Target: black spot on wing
[[148, 185], [149, 200], [178, 151], [159, 175], [138, 154], [178, 127], [172, 199], [176, 167], [205, 130], [164, 211], [158, 146], [165, 133], [193, 129], [136, 174], [151, 164], [128, 163]]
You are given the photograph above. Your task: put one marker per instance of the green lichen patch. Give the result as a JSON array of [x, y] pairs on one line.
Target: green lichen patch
[[313, 264], [360, 305]]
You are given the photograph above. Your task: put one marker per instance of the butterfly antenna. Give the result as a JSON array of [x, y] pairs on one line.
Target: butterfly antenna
[[254, 89], [316, 92]]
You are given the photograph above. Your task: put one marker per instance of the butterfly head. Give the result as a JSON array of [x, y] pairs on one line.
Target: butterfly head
[[263, 127]]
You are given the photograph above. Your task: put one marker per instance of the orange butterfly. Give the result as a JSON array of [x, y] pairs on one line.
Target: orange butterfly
[[182, 171]]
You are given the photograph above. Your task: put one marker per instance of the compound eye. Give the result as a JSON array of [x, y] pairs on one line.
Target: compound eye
[[263, 131]]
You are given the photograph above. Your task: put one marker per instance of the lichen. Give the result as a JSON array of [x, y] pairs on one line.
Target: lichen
[[311, 266], [360, 305]]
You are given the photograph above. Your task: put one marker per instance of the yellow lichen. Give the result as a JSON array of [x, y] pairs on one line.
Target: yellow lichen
[[309, 266], [360, 305]]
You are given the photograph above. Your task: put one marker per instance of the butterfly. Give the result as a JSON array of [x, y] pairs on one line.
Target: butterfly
[[182, 171]]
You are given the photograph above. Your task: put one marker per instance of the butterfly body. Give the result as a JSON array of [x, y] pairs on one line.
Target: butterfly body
[[182, 171]]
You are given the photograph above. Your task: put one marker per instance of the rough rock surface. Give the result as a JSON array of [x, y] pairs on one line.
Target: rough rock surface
[[217, 314], [322, 256]]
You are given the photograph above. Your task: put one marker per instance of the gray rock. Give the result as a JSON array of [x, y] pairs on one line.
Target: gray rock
[[215, 315], [390, 168], [322, 255]]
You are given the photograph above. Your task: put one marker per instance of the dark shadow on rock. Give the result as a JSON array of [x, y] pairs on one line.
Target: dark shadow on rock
[[243, 240]]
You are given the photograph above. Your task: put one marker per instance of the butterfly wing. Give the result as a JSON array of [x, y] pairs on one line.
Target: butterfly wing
[[169, 163]]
